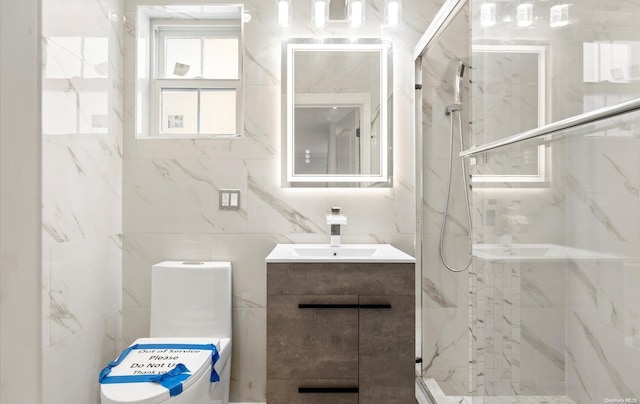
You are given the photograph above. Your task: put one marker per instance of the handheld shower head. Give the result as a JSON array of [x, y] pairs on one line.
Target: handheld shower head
[[461, 67], [458, 89]]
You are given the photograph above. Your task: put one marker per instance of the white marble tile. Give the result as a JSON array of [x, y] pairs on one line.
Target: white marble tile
[[77, 361], [543, 285], [182, 196], [249, 361], [446, 357], [442, 287], [542, 346], [286, 210], [81, 194], [246, 253], [602, 358], [135, 324], [85, 285], [613, 167], [436, 177]]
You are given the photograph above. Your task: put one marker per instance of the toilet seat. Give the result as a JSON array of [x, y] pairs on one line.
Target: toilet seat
[[199, 365]]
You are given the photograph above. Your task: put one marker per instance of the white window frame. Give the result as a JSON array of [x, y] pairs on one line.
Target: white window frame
[[193, 28]]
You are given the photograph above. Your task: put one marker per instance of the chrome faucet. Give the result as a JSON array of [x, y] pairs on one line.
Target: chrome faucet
[[335, 219]]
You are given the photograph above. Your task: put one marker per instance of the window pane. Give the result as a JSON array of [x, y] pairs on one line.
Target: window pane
[[179, 111], [218, 112], [182, 58], [221, 58]]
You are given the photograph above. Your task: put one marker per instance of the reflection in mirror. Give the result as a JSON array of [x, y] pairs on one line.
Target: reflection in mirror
[[511, 80], [338, 115]]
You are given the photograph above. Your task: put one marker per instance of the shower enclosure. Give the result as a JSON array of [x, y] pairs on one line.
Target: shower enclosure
[[549, 310]]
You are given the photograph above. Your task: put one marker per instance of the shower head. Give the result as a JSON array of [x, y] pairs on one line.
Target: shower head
[[461, 67], [458, 89]]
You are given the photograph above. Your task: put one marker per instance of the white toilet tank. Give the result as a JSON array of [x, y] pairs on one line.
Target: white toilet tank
[[191, 299]]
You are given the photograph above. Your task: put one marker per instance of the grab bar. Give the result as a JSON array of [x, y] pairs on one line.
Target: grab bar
[[574, 121]]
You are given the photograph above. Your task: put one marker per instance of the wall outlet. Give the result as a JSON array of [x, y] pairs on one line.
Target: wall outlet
[[229, 199]]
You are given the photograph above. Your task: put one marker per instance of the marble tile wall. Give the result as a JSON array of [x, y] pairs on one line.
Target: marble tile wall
[[82, 195], [170, 189], [445, 295], [603, 311], [517, 316]]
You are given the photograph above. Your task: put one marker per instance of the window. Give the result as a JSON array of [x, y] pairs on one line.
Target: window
[[197, 78]]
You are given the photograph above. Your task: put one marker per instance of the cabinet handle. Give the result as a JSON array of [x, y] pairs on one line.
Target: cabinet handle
[[307, 390], [342, 306], [327, 306], [374, 306]]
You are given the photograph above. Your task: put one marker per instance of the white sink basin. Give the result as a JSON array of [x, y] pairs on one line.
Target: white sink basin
[[344, 253], [334, 252]]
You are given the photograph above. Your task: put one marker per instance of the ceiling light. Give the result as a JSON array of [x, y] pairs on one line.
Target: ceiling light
[[283, 12], [524, 14], [320, 13], [392, 17], [488, 14], [355, 12], [559, 15]]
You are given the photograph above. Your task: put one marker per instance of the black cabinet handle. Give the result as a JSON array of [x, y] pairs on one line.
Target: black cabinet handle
[[327, 306], [342, 306], [307, 390], [375, 306]]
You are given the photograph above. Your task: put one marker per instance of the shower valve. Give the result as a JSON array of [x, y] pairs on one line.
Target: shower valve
[[449, 109]]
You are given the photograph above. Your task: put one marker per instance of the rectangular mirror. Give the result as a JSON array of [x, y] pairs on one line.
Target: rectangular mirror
[[512, 82], [338, 116]]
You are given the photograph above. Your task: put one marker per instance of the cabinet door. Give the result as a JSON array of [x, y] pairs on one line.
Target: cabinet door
[[300, 391], [312, 337], [387, 350]]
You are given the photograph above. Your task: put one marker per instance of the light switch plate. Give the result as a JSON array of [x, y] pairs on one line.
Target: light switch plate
[[229, 199]]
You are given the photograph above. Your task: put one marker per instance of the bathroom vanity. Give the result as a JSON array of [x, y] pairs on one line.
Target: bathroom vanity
[[340, 325]]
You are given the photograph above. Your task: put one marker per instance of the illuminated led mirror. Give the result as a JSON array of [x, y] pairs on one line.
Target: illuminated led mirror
[[512, 82], [338, 115]]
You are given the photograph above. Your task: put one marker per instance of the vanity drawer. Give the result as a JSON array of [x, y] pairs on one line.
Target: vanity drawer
[[312, 337], [310, 391], [340, 278]]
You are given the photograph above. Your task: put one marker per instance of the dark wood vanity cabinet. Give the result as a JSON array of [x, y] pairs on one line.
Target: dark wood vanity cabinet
[[340, 333]]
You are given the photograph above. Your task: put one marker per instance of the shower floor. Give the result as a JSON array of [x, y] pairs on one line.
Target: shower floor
[[440, 398]]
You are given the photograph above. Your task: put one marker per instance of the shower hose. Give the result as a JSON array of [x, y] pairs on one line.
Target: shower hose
[[451, 111]]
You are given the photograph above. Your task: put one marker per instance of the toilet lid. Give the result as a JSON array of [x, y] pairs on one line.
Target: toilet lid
[[157, 361]]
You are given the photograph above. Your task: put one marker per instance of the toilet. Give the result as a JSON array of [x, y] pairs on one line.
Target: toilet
[[187, 359]]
